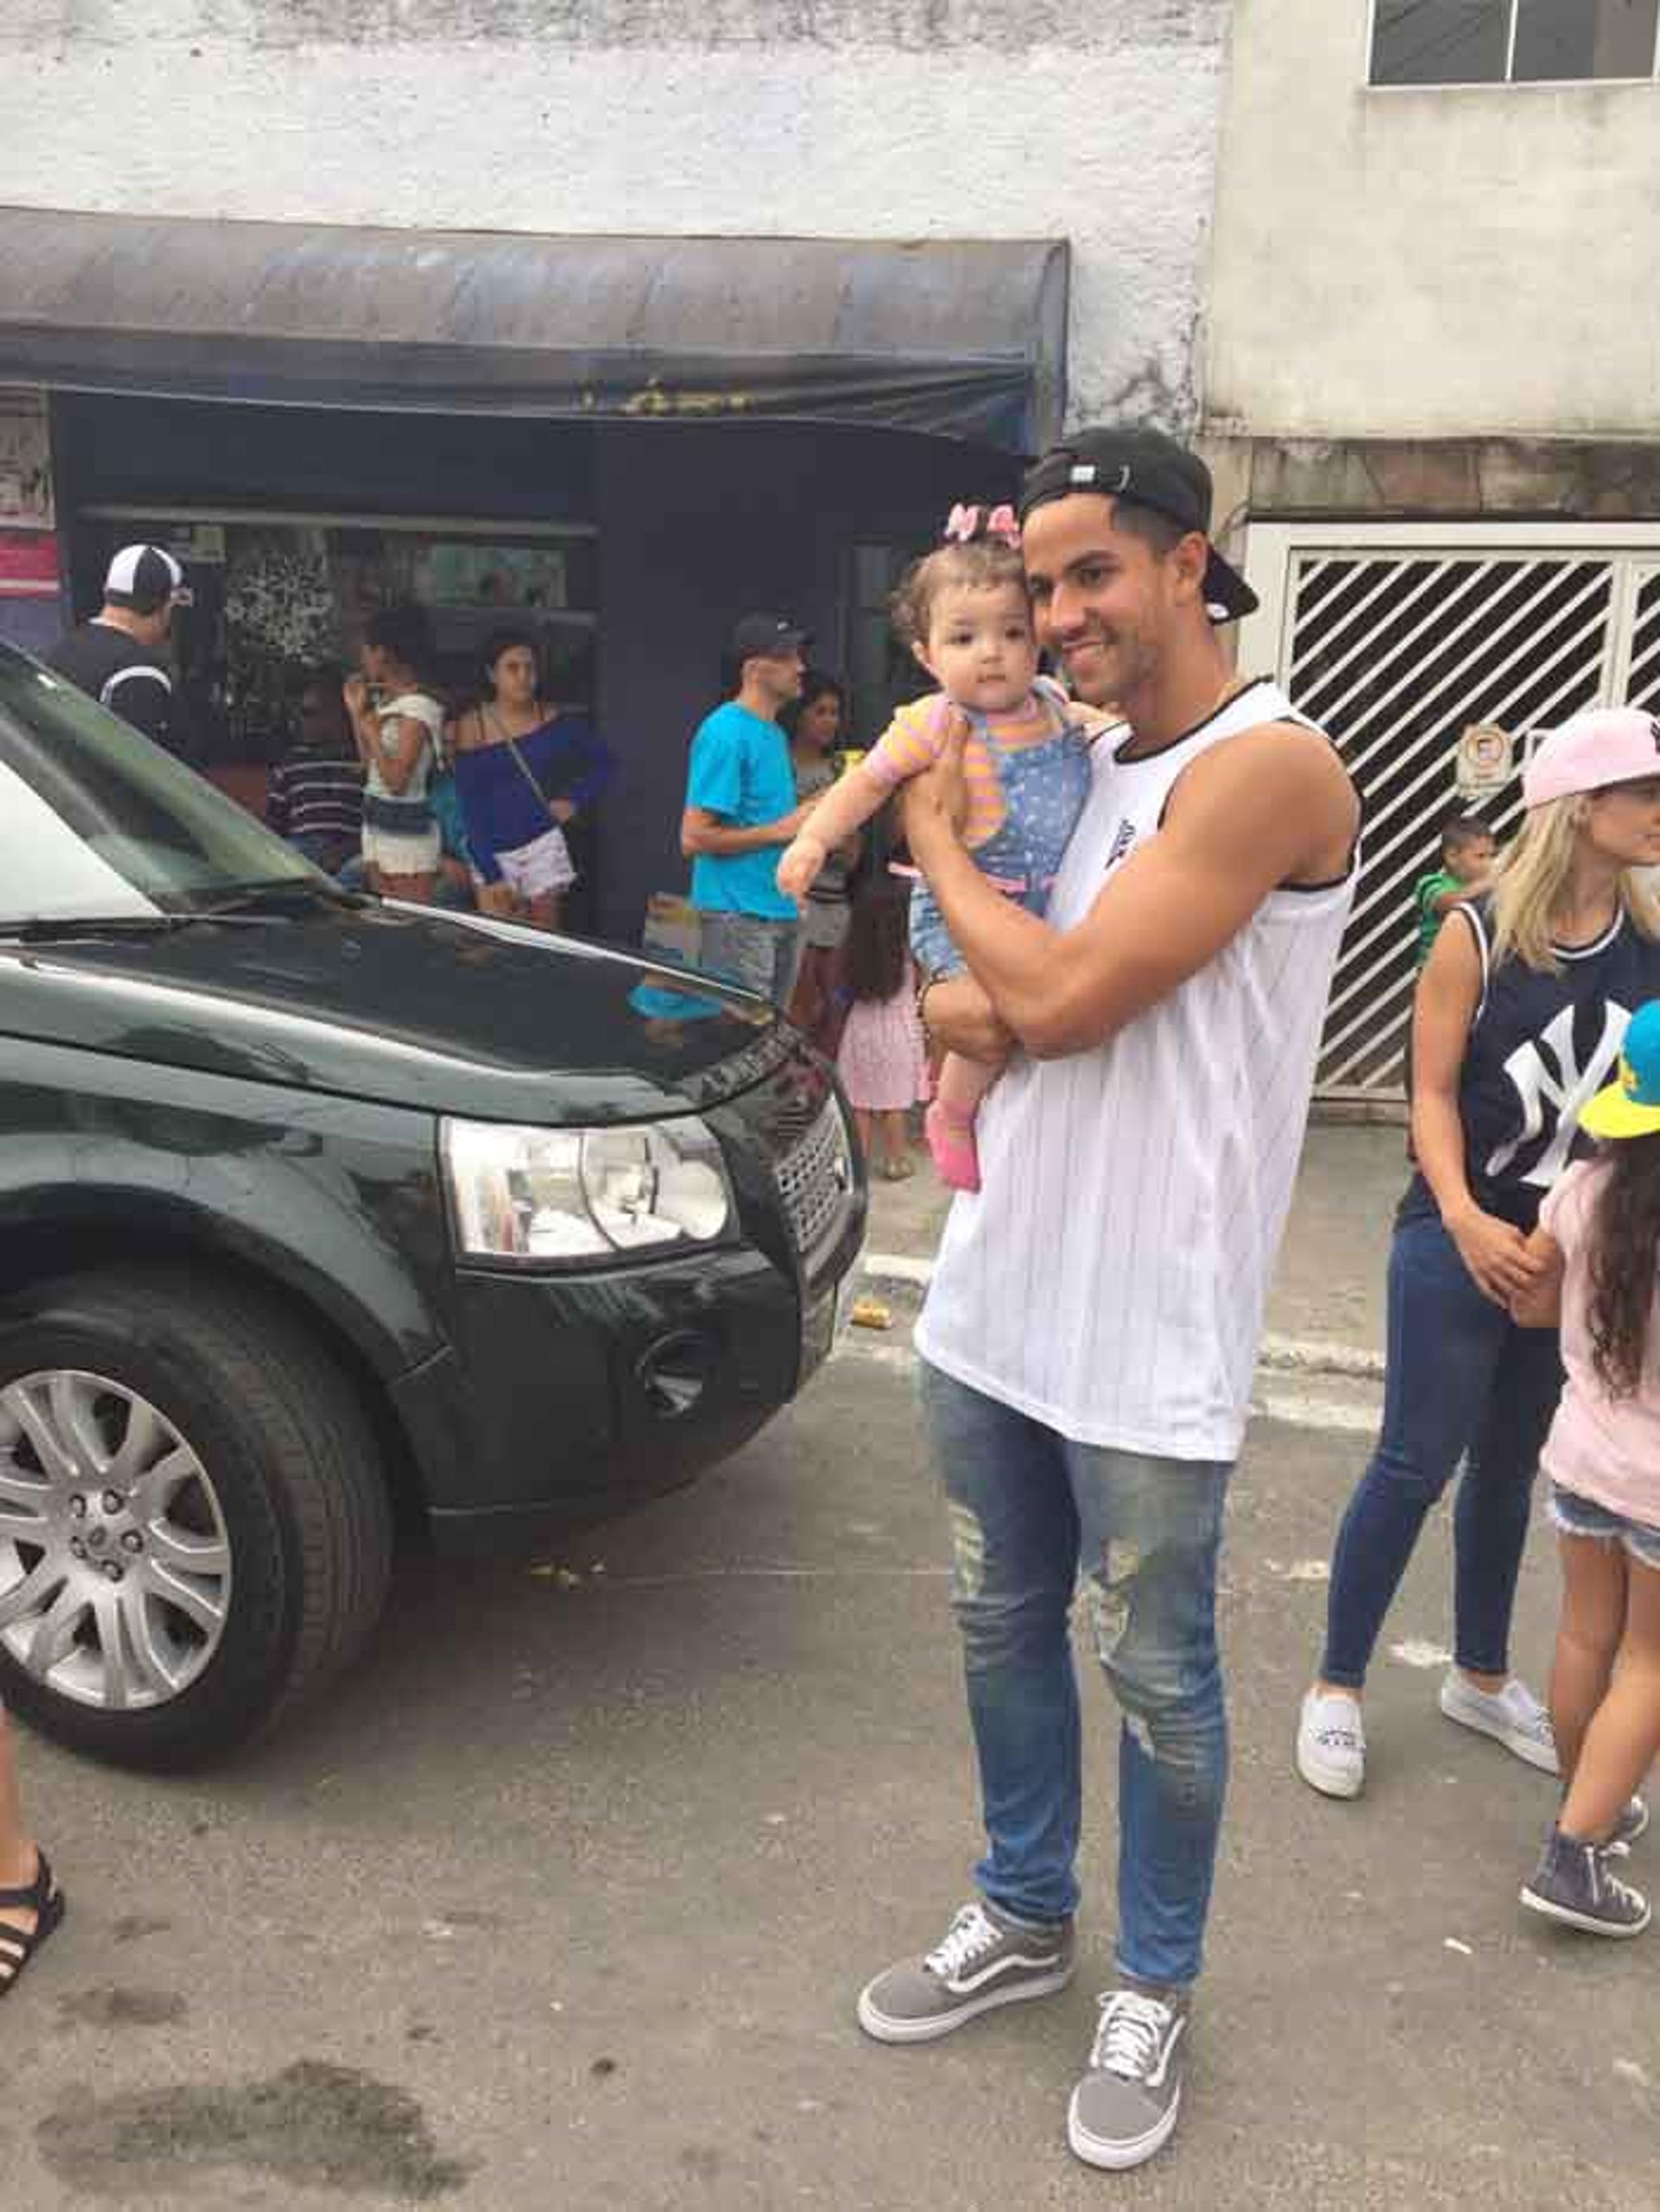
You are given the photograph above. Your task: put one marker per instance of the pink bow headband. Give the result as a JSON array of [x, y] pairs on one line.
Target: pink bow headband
[[965, 524]]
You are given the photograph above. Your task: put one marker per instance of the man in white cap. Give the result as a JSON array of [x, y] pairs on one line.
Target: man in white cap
[[120, 657]]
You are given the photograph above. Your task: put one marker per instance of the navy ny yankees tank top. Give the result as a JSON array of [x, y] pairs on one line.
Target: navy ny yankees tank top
[[1540, 1045]]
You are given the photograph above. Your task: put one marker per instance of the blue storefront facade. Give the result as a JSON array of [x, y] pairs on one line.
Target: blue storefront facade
[[692, 430]]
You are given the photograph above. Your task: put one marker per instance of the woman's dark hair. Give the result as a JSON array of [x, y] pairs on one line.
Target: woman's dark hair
[[1625, 1262], [405, 631], [815, 685], [873, 954], [505, 641]]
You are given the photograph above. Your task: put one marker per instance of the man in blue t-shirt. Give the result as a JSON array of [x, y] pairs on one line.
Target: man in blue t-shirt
[[741, 812]]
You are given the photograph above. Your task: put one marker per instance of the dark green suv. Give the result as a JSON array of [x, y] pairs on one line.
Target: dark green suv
[[318, 1215]]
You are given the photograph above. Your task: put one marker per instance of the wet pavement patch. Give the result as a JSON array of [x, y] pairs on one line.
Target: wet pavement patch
[[312, 2126], [117, 2007]]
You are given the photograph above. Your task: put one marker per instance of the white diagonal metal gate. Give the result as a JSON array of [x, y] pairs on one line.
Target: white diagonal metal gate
[[1395, 641]]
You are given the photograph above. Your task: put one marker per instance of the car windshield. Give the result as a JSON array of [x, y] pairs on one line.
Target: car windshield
[[97, 824]]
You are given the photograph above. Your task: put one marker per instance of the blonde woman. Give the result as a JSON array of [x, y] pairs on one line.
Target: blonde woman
[[1519, 1019]]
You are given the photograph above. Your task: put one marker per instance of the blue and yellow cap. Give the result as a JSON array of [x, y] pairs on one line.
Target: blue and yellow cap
[[1631, 1107]]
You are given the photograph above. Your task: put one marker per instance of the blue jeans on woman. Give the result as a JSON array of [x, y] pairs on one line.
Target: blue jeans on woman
[[1029, 1507], [1462, 1382]]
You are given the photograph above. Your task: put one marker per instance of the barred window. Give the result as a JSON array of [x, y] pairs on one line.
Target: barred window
[[1512, 42]]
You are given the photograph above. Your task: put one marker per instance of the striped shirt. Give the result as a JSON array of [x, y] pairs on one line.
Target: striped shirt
[[915, 738], [316, 795], [1109, 1279]]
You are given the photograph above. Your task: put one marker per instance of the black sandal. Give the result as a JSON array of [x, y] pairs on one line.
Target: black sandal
[[43, 1898]]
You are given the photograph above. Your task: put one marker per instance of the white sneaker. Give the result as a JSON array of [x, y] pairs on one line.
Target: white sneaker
[[1331, 1744], [1512, 1716]]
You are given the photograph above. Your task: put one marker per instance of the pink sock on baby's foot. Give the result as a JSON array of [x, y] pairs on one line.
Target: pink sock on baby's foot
[[951, 1146]]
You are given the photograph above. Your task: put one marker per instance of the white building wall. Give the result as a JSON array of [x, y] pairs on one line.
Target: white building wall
[[879, 118], [1435, 263]]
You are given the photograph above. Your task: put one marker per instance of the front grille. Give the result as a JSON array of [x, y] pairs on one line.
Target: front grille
[[815, 1181]]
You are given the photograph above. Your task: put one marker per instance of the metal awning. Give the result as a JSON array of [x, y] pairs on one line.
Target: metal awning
[[963, 337]]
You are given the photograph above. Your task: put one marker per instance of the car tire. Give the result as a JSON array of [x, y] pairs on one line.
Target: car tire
[[289, 1512]]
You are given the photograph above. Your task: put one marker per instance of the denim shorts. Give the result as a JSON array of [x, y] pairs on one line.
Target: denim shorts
[[1578, 1516]]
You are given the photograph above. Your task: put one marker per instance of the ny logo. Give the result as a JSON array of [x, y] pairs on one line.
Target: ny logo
[[1564, 1091], [1123, 839]]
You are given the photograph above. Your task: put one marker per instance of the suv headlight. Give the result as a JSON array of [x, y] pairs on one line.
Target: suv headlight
[[545, 1196]]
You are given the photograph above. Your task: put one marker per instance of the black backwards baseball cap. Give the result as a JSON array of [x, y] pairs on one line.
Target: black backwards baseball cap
[[1153, 470], [767, 637], [145, 578]]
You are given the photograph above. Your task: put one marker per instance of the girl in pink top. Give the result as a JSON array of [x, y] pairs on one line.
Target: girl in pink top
[[1599, 1233], [882, 1059]]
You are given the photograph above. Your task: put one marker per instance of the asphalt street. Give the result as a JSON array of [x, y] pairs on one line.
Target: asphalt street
[[563, 1899]]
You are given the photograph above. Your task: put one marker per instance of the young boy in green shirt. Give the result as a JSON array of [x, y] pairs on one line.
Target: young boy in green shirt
[[1467, 855]]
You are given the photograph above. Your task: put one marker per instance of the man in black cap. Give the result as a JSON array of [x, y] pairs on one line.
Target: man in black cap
[[120, 657], [741, 812], [1090, 1332]]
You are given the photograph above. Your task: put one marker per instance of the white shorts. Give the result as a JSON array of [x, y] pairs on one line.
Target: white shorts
[[402, 856], [540, 869]]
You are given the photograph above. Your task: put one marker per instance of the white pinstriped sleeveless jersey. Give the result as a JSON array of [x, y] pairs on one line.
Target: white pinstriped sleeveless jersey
[[1109, 1276]]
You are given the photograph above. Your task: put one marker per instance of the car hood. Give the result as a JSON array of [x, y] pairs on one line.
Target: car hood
[[451, 1013]]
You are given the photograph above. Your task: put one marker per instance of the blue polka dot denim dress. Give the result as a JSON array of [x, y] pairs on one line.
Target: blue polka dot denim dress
[[1044, 787]]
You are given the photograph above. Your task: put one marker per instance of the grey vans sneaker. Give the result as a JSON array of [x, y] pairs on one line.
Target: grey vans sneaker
[[1573, 1884], [985, 1960], [1125, 2106]]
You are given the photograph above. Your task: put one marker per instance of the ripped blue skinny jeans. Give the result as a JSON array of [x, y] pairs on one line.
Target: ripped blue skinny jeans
[[1032, 1513]]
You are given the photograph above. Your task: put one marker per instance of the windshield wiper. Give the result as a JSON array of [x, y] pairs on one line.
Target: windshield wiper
[[48, 929], [68, 928], [246, 903]]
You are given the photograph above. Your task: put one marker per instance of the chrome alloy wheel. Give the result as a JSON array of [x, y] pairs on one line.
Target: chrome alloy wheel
[[115, 1564]]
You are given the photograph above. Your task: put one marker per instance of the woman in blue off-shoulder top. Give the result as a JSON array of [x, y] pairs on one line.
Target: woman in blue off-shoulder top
[[523, 769]]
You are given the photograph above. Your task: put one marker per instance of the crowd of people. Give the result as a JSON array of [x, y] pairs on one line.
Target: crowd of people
[[1126, 894], [390, 780], [463, 804]]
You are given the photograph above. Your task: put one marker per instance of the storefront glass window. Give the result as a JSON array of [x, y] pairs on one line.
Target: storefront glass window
[[276, 598]]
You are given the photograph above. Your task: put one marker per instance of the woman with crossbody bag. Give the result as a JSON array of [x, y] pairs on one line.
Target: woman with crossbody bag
[[523, 770]]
